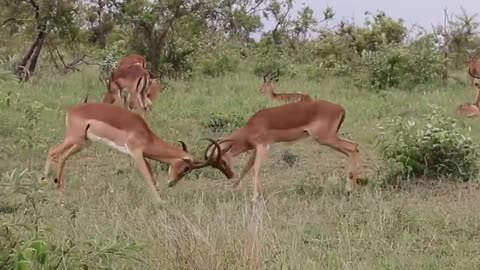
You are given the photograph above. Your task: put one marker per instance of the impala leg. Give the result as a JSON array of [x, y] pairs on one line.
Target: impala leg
[[53, 153], [145, 170], [61, 164], [245, 170], [260, 155], [350, 149], [150, 171]]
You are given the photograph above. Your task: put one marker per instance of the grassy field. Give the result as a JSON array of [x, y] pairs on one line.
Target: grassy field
[[109, 220]]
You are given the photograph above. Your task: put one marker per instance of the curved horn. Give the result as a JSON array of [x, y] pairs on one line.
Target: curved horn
[[473, 75], [208, 160], [184, 146], [276, 76], [265, 77]]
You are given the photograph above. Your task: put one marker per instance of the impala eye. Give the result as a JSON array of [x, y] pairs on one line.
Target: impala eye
[[186, 169]]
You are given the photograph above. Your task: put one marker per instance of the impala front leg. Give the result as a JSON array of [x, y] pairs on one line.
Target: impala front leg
[[261, 154], [145, 170]]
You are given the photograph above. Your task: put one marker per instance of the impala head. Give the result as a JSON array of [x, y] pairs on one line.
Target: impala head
[[268, 85], [472, 57], [180, 167], [224, 158]]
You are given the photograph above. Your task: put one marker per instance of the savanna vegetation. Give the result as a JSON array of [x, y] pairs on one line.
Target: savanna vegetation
[[398, 85]]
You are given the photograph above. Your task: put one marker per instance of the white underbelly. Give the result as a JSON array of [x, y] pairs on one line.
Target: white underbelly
[[95, 138]]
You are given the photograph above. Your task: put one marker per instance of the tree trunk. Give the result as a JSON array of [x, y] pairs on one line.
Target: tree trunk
[[27, 65]]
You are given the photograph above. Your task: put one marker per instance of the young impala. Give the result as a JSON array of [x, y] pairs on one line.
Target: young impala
[[128, 133], [291, 122], [268, 89]]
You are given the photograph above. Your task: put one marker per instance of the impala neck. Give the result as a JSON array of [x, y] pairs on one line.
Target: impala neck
[[163, 152]]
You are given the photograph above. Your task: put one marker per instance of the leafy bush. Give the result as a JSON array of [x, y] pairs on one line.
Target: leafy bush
[[437, 150], [400, 66], [219, 65]]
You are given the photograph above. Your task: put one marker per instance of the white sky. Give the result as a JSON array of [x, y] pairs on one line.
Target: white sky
[[422, 12]]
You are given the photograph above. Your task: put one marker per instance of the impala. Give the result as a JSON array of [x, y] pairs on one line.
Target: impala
[[473, 66], [268, 89], [128, 133], [468, 110], [132, 59], [155, 88], [128, 86], [290, 122]]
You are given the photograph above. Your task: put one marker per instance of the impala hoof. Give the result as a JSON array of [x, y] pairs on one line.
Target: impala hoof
[[55, 180]]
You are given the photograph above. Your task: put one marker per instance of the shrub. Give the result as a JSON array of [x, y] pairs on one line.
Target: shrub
[[219, 65], [437, 150], [398, 65]]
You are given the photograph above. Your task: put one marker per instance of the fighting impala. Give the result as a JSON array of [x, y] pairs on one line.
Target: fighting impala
[[291, 122], [131, 79], [128, 86], [128, 133], [132, 59], [268, 89]]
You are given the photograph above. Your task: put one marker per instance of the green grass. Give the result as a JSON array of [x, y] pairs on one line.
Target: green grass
[[109, 221]]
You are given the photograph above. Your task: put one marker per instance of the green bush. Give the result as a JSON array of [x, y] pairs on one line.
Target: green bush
[[401, 66], [437, 150]]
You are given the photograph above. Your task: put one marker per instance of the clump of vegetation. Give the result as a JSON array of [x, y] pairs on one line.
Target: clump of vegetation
[[437, 150], [400, 66], [222, 123], [289, 158]]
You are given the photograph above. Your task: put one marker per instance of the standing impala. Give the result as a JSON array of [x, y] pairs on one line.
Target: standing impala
[[473, 65], [128, 133], [268, 89], [291, 122]]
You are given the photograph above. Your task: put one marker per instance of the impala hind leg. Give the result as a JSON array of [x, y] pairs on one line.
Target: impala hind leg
[[245, 169], [260, 155], [349, 149], [75, 148], [53, 154]]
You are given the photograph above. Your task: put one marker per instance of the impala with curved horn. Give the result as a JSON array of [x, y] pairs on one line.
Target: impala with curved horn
[[473, 66], [290, 122], [128, 133], [132, 79], [268, 89]]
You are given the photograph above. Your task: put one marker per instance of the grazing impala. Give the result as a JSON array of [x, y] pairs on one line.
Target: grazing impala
[[268, 89], [290, 122], [128, 133]]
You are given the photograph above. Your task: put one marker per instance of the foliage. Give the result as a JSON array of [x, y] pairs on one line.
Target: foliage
[[400, 66], [437, 150]]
